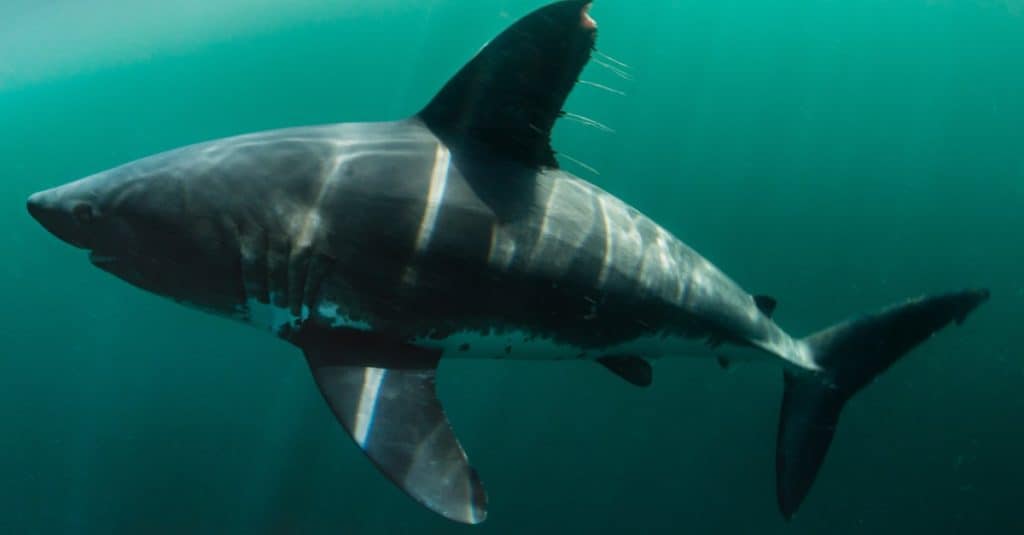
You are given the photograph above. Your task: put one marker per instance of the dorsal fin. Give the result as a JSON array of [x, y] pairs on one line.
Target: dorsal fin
[[508, 97], [766, 304]]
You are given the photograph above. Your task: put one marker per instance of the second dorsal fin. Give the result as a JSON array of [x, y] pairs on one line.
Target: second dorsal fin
[[508, 97], [766, 304]]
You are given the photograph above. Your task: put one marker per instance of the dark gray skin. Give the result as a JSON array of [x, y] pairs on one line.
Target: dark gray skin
[[332, 214], [379, 248]]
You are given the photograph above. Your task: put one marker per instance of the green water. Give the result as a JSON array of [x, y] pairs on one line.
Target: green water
[[837, 155]]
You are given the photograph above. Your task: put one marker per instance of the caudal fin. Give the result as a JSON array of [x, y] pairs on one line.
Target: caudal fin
[[850, 354]]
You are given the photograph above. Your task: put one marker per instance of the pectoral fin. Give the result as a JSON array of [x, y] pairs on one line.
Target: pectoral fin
[[394, 415], [634, 370]]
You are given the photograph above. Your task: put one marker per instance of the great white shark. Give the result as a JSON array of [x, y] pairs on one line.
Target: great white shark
[[380, 248]]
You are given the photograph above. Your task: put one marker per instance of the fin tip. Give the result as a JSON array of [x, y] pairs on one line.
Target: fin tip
[[507, 98], [587, 22], [633, 370]]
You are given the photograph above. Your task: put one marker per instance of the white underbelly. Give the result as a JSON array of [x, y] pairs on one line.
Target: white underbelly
[[507, 344], [520, 345], [274, 318]]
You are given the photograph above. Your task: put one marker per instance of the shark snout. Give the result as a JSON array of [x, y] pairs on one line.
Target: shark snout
[[37, 205], [64, 218]]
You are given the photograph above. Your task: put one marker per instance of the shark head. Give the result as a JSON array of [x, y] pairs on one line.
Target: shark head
[[142, 224]]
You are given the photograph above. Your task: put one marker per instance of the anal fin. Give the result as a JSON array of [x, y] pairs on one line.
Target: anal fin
[[634, 370], [392, 412]]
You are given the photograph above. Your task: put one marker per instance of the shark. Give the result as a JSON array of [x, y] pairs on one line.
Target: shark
[[379, 249]]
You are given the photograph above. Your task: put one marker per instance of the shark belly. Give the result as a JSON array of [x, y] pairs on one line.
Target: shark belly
[[507, 343], [515, 344]]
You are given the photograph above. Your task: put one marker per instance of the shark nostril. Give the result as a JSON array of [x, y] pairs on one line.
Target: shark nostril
[[83, 213]]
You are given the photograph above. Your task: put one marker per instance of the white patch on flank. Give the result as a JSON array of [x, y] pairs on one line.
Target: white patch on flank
[[269, 316], [435, 196], [670, 264], [520, 345], [658, 271], [307, 228], [606, 261], [503, 248], [645, 273], [628, 243], [275, 318], [567, 223], [664, 258], [310, 222], [438, 185], [372, 379], [331, 312], [704, 282], [799, 353]]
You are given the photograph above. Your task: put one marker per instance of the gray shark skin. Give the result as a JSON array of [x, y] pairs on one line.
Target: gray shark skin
[[379, 248]]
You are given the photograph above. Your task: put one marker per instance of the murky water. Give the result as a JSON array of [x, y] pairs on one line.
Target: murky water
[[838, 156]]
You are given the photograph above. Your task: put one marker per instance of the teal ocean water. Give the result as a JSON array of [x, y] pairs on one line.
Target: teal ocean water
[[839, 156]]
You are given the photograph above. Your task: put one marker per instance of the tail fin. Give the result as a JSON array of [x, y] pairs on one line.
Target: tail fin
[[851, 354]]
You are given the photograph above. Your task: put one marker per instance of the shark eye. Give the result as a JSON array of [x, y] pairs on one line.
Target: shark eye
[[83, 213]]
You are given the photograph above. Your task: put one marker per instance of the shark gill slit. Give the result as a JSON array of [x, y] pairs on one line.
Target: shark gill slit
[[303, 249]]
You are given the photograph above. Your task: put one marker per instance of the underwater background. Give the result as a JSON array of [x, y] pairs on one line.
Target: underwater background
[[839, 156]]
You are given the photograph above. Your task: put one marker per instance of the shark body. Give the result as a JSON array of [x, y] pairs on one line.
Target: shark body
[[380, 248]]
